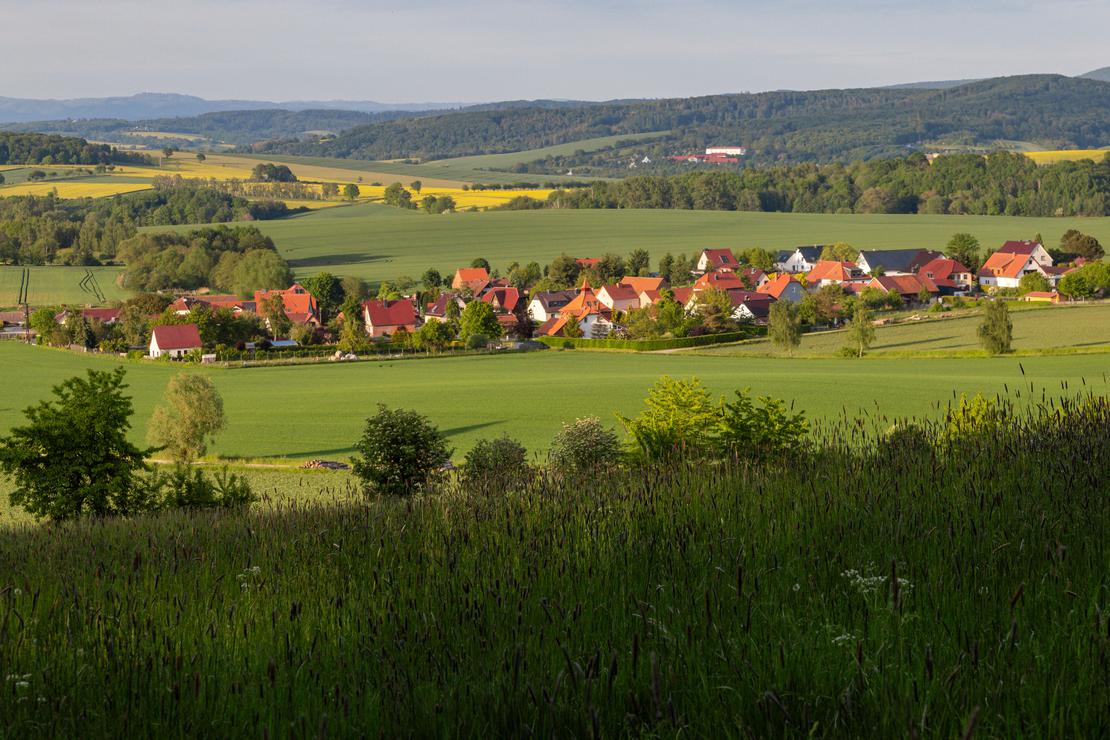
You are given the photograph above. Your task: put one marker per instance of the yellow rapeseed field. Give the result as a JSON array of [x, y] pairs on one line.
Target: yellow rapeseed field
[[463, 198], [75, 188], [1067, 155]]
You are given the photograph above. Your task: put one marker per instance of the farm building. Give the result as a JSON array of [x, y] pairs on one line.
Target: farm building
[[174, 341]]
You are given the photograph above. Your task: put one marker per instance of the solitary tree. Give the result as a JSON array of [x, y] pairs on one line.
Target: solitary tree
[[191, 414], [861, 330], [167, 152], [996, 331], [73, 457], [964, 248], [784, 325], [417, 186], [351, 191], [201, 157], [400, 452]]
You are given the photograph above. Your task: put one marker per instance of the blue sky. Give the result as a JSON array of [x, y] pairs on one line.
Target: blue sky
[[483, 50]]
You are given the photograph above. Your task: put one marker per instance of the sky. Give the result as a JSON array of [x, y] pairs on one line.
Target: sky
[[486, 50]]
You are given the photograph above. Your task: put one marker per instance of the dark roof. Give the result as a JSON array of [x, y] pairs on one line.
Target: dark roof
[[811, 254], [182, 336], [898, 260], [1014, 247], [555, 299]]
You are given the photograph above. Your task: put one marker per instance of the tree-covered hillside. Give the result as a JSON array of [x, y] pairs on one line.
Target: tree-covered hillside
[[31, 148], [776, 126]]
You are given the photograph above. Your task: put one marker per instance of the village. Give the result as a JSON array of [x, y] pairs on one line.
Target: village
[[479, 309]]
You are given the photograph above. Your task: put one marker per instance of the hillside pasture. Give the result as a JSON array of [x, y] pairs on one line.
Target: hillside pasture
[[52, 285], [317, 411]]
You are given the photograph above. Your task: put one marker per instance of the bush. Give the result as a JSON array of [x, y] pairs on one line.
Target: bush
[[400, 453], [495, 465], [584, 447], [769, 430], [189, 488], [477, 341]]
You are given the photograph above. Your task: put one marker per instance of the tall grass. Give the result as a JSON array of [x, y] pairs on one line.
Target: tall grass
[[902, 584]]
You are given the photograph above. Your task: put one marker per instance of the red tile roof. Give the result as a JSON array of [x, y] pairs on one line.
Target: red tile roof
[[389, 313], [621, 292], [719, 280], [588, 261], [474, 278], [831, 270], [717, 258], [1012, 247], [296, 300], [1004, 264], [906, 285], [182, 336], [642, 283], [506, 298], [775, 287]]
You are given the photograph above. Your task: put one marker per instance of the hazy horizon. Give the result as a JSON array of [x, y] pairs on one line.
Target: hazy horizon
[[445, 52]]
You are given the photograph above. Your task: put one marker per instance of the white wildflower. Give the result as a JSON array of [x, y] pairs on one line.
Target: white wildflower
[[843, 639]]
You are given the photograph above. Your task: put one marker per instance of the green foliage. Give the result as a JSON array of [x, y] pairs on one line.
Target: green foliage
[[1033, 282], [1089, 281], [268, 172], [571, 328], [768, 430], [400, 453], [677, 422], [1076, 243], [73, 457], [784, 325], [839, 252], [188, 487], [997, 329], [975, 418], [650, 345], [328, 292], [478, 318], [861, 331], [584, 448], [496, 465], [964, 248], [396, 195], [435, 335], [477, 341], [351, 191], [37, 148], [192, 412]]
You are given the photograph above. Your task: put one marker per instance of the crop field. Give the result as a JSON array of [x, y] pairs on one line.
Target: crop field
[[317, 411], [1067, 155], [55, 284], [377, 242], [1079, 328]]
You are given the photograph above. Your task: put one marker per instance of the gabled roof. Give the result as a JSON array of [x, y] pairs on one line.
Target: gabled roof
[[588, 261], [295, 299], [438, 307], [897, 260], [389, 313], [832, 270], [1023, 247], [942, 268], [717, 258], [753, 275], [474, 278], [1007, 265], [506, 298], [739, 297], [552, 300], [719, 280], [652, 296], [809, 254], [640, 284], [776, 286], [182, 336], [682, 295], [903, 284], [584, 301], [620, 292]]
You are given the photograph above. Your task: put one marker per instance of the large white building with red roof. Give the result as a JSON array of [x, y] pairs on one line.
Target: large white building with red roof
[[174, 341]]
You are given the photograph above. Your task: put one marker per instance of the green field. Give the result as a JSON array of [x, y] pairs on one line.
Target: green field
[[52, 285], [377, 242], [1072, 327], [316, 411]]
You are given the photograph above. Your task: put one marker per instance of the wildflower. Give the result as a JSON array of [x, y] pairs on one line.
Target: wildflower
[[843, 639], [797, 587]]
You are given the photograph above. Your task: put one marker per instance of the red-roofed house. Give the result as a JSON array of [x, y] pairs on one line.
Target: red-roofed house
[[720, 281], [747, 305], [643, 283], [105, 315], [384, 318], [829, 272], [473, 278], [174, 341], [1028, 249], [1005, 270], [595, 319], [948, 275], [300, 305], [907, 286], [437, 310], [1043, 296], [503, 299], [588, 262], [717, 259], [619, 297], [784, 287]]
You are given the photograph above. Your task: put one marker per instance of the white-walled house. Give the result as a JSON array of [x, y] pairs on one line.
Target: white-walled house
[[174, 341], [801, 259]]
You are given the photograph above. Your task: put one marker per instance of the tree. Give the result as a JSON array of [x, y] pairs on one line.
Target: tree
[[495, 465], [328, 292], [351, 191], [1081, 245], [73, 457], [1033, 282], [861, 331], [583, 448], [167, 152], [1, 178], [417, 186], [201, 156], [675, 422], [715, 308], [964, 248], [481, 262], [329, 190], [839, 252], [784, 325], [639, 262], [352, 334], [431, 279], [434, 335], [572, 329], [191, 414], [478, 318], [273, 312], [400, 453], [564, 271], [996, 330], [396, 195], [745, 430]]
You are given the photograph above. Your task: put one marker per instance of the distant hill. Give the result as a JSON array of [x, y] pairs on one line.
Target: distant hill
[[1102, 74], [934, 84], [822, 125], [162, 105]]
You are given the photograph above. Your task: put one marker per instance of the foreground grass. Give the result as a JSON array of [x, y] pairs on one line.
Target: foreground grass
[[377, 242], [1079, 327], [885, 591], [317, 411]]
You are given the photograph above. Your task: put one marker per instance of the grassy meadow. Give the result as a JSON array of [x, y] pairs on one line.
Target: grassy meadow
[[864, 588], [1076, 328], [56, 284], [317, 411]]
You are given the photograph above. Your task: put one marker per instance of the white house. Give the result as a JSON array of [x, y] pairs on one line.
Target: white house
[[175, 341], [1028, 248], [619, 297], [801, 259], [547, 304]]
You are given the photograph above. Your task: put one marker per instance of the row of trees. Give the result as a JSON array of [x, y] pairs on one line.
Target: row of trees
[[48, 149], [1001, 183]]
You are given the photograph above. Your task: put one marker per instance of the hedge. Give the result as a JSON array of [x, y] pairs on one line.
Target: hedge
[[651, 345]]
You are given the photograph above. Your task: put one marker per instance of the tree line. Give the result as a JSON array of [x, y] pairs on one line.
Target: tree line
[[34, 148]]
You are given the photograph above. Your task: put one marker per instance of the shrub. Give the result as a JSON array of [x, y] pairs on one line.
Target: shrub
[[495, 465], [766, 430], [676, 422], [583, 448], [477, 341], [996, 331], [400, 452], [189, 488]]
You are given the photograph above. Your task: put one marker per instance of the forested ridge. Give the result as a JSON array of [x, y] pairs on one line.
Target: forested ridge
[[37, 148], [784, 126]]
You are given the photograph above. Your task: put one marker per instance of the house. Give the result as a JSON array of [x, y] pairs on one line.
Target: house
[[594, 318], [107, 316], [385, 318], [1028, 249], [473, 279], [784, 287], [728, 151], [174, 341], [949, 275], [649, 297], [831, 272], [546, 304], [801, 259], [619, 297], [587, 262], [717, 259], [747, 305], [504, 299], [1005, 269], [644, 283], [907, 286], [753, 277], [720, 281], [300, 305], [184, 304], [437, 309], [895, 261], [1041, 296]]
